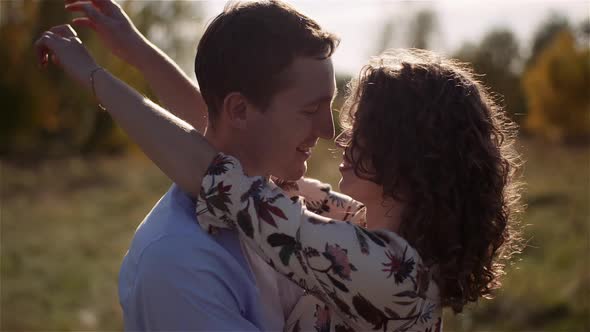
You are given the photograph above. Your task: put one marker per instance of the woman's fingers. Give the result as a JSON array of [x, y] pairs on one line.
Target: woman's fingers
[[84, 22], [45, 46], [55, 60], [64, 30], [106, 6], [76, 5], [50, 42], [88, 9], [69, 53], [103, 5]]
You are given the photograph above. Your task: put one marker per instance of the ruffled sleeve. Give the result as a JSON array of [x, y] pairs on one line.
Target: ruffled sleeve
[[371, 279]]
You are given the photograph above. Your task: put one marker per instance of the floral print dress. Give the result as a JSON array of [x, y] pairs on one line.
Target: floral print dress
[[355, 279]]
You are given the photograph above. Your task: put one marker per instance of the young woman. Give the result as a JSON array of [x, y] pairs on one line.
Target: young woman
[[427, 153]]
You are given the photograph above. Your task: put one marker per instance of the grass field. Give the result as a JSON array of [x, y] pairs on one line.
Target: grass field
[[65, 226]]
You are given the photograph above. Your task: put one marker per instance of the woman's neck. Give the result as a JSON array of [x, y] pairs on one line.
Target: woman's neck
[[383, 215]]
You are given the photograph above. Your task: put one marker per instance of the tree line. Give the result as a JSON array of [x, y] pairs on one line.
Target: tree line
[[544, 86]]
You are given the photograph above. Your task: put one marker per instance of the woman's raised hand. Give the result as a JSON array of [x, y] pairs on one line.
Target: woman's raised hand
[[62, 46], [111, 23]]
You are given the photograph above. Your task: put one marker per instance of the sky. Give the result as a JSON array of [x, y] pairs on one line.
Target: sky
[[359, 22]]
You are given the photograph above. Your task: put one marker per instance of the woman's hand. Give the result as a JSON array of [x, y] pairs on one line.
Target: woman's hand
[[176, 147], [112, 25], [62, 46], [174, 89]]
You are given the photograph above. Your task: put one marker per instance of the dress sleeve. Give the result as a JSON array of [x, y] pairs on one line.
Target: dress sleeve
[[372, 279], [320, 199]]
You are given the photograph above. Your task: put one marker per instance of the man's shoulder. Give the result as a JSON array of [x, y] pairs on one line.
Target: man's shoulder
[[171, 219], [169, 241], [180, 282], [175, 257], [171, 234]]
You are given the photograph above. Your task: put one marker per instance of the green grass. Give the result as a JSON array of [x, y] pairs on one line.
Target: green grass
[[65, 226], [549, 288]]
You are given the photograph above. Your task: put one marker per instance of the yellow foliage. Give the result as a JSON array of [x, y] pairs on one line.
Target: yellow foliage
[[557, 87]]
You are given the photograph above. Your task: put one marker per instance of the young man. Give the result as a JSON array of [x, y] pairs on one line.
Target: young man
[[267, 84]]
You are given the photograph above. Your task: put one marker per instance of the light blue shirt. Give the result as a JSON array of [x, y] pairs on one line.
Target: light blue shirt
[[177, 277]]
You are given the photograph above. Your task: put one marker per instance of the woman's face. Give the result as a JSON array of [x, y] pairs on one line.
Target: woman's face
[[360, 189]]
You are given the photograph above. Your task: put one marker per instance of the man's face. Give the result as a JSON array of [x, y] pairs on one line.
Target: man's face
[[280, 139]]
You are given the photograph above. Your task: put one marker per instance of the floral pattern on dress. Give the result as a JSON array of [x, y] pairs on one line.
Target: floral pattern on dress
[[319, 198], [322, 316], [356, 279], [339, 261]]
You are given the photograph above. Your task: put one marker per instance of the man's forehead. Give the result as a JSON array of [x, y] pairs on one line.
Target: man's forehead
[[310, 77], [309, 69]]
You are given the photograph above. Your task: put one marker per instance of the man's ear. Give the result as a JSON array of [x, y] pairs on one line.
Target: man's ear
[[235, 107]]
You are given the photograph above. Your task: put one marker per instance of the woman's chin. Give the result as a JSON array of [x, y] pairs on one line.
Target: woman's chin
[[358, 190]]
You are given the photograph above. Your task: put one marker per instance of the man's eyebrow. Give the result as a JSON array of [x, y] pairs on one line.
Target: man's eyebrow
[[322, 99]]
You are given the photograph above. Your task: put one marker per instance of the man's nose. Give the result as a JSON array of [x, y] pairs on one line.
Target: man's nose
[[325, 125]]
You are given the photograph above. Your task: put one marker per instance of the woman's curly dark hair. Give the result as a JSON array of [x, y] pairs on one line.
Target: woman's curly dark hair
[[426, 130]]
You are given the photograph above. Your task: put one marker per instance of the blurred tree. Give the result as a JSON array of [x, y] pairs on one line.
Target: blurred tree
[[44, 113], [553, 24], [497, 58], [175, 26], [556, 86], [422, 29], [584, 29], [387, 36]]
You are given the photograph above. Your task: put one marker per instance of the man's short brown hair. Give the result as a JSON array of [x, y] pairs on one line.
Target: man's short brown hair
[[248, 46]]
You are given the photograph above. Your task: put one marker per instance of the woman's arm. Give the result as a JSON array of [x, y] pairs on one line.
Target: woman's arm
[[371, 278], [117, 32], [320, 199], [179, 150], [174, 146]]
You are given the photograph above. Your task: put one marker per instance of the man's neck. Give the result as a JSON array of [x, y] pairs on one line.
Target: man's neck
[[225, 144], [214, 138]]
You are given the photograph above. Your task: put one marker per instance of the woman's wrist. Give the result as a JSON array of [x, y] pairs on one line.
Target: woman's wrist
[[92, 79]]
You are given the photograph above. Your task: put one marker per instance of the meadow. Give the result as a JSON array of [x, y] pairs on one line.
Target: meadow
[[66, 225]]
